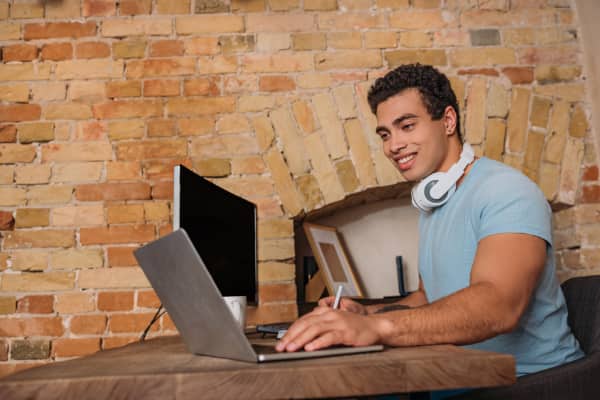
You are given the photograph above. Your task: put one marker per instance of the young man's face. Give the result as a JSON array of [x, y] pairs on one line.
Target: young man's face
[[416, 144]]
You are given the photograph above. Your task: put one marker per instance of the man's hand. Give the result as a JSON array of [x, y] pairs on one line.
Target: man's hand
[[325, 327]]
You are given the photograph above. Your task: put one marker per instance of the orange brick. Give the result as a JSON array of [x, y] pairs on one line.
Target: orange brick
[[77, 151], [200, 106], [161, 127], [127, 109], [161, 87], [123, 89], [59, 29], [271, 313], [123, 170], [147, 299], [276, 83], [117, 234], [201, 46], [148, 149], [20, 112], [159, 169], [98, 8], [112, 191], [547, 55], [161, 67], [126, 323], [201, 87], [57, 51], [75, 347], [88, 324], [14, 327], [43, 304], [19, 52], [276, 292], [94, 130], [121, 256], [162, 190], [519, 75], [196, 126], [115, 301], [7, 221], [74, 302], [118, 341], [166, 48], [590, 173], [92, 50], [8, 133], [135, 7]]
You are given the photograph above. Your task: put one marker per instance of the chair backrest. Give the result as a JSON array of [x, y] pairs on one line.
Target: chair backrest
[[583, 302]]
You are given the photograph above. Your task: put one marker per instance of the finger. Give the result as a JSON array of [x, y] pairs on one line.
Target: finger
[[327, 301], [307, 336], [327, 339]]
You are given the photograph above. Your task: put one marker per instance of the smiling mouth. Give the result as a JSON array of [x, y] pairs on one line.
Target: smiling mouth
[[405, 162]]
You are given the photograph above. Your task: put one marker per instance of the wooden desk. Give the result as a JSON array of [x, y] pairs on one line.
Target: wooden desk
[[163, 369]]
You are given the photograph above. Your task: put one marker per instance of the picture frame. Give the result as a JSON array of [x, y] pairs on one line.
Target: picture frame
[[334, 267]]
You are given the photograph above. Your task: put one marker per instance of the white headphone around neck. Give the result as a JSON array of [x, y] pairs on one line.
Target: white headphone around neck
[[435, 190]]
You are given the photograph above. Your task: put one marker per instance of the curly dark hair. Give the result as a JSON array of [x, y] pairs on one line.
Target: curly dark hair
[[434, 87]]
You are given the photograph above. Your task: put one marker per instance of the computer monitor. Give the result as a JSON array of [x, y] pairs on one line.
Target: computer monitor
[[222, 227]]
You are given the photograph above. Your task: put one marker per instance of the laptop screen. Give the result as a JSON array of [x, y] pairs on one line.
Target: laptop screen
[[222, 227]]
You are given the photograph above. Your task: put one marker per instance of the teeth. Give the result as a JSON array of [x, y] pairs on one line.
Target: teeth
[[407, 158]]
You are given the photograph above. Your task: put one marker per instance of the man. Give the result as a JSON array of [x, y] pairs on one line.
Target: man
[[486, 263]]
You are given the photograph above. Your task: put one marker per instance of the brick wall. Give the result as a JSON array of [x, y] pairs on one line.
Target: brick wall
[[100, 98]]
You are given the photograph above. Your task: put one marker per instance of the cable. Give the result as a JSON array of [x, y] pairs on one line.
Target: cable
[[157, 315]]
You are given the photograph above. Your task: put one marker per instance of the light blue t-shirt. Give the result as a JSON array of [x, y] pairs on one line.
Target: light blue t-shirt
[[494, 198]]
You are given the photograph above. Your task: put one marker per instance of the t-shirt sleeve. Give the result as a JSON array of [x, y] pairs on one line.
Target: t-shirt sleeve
[[511, 203]]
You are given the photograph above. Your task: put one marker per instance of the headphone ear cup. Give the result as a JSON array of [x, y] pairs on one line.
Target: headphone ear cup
[[421, 193]]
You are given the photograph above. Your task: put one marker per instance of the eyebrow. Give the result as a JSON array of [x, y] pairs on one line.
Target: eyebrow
[[395, 122]]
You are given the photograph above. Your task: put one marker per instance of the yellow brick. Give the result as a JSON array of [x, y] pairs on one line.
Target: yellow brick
[[32, 174], [416, 39], [309, 41], [128, 129], [62, 130], [14, 153], [277, 62], [497, 101], [173, 7], [124, 213], [494, 141], [348, 59], [350, 21], [387, 174], [200, 106], [344, 40], [30, 217], [430, 19], [14, 93], [309, 190], [159, 67], [129, 49], [7, 173], [264, 132], [380, 40], [77, 172], [123, 170], [196, 126], [49, 194], [304, 116], [549, 175], [36, 282], [579, 123], [248, 165], [67, 111], [29, 260], [359, 149], [209, 24], [63, 9], [556, 73], [275, 249], [559, 125], [44, 238], [78, 215], [347, 176], [518, 37], [569, 91], [12, 196], [517, 119], [344, 98], [86, 91], [275, 271], [539, 111], [291, 139], [136, 27], [36, 132], [323, 169], [156, 211], [4, 10], [279, 23], [533, 155], [320, 5], [217, 64], [77, 258], [248, 187], [223, 146], [233, 123], [88, 69], [283, 183], [330, 123], [314, 80], [49, 91], [481, 56], [476, 111], [283, 5], [255, 103], [213, 167], [24, 72], [569, 173], [112, 278], [355, 4], [432, 57], [276, 228], [273, 42], [10, 31]]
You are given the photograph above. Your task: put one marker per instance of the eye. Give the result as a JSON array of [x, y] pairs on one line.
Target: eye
[[408, 127], [383, 135]]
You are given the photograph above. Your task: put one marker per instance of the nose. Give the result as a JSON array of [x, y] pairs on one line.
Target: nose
[[397, 142]]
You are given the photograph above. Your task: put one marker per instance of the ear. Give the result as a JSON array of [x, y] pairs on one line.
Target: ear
[[450, 120]]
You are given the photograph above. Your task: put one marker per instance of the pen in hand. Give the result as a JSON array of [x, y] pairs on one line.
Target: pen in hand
[[338, 297]]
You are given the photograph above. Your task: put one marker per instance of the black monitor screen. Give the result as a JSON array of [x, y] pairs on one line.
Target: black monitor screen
[[222, 227]]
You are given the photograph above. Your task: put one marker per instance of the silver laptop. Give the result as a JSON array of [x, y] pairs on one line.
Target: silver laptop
[[194, 303]]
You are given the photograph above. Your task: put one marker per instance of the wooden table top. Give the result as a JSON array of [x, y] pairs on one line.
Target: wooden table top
[[163, 369]]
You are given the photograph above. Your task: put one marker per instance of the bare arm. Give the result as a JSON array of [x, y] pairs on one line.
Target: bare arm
[[505, 272], [415, 299]]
